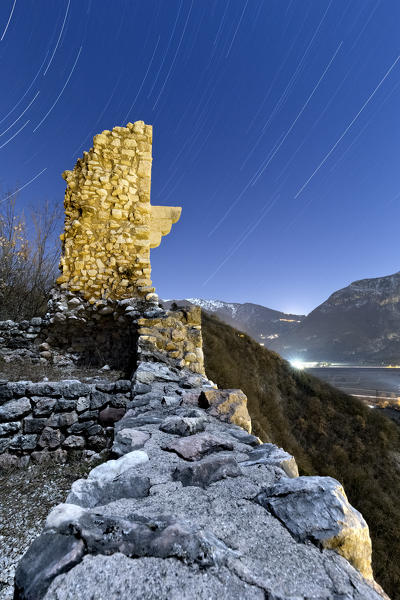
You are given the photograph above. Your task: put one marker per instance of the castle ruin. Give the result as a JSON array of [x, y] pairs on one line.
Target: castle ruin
[[110, 225]]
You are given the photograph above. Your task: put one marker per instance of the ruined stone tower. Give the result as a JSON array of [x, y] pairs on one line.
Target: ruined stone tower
[[110, 224]]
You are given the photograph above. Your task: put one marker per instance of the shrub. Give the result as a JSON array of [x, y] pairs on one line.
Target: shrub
[[28, 259]]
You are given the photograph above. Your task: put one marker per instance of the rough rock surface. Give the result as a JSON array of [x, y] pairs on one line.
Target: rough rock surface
[[317, 509], [227, 405], [269, 454], [203, 529]]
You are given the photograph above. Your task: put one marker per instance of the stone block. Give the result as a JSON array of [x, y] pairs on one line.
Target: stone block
[[269, 454], [82, 404], [317, 509], [10, 428], [51, 438], [45, 388], [23, 442], [119, 401], [197, 446], [74, 442], [14, 409], [207, 471], [183, 426], [127, 440], [18, 388], [62, 419], [97, 442], [229, 406], [34, 425], [66, 404], [43, 407], [99, 399]]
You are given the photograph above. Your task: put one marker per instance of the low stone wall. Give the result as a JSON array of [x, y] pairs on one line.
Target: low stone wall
[[48, 419], [21, 339], [112, 332]]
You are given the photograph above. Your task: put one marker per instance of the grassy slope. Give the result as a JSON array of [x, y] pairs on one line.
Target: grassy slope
[[327, 431]]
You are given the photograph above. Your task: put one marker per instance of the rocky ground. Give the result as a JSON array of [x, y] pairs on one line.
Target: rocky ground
[[22, 369], [196, 508], [26, 497]]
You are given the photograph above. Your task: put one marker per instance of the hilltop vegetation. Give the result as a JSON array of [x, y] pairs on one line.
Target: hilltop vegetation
[[327, 431]]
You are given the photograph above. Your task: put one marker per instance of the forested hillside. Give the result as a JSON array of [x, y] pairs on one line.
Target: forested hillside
[[327, 431]]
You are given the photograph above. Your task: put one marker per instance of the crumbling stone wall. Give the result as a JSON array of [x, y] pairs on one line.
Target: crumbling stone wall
[[113, 332], [45, 420], [19, 337], [110, 225], [175, 335]]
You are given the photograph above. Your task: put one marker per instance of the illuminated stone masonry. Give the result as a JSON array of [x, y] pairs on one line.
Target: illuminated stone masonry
[[110, 225], [104, 310], [105, 305]]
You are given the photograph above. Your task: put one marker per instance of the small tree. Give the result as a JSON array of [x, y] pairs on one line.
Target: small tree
[[28, 259]]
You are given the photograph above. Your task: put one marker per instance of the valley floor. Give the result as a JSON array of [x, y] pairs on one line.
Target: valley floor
[[368, 383]]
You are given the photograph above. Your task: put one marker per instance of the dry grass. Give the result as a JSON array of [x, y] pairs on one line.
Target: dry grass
[[19, 370]]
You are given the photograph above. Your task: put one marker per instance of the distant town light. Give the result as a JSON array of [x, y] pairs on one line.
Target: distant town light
[[297, 364]]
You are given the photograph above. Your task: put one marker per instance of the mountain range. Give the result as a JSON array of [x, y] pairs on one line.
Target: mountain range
[[359, 324]]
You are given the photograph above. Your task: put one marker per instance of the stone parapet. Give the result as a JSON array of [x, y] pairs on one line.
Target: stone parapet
[[193, 507]]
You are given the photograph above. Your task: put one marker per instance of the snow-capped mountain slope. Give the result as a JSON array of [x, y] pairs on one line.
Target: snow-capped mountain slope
[[263, 324]]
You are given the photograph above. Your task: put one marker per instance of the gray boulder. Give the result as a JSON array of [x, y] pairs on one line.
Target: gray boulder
[[112, 468], [23, 442], [50, 438], [34, 425], [147, 372], [183, 426], [89, 493], [317, 509], [127, 440], [9, 428], [269, 454], [82, 404], [43, 407], [99, 399], [207, 471], [244, 438], [131, 420], [50, 555], [198, 445]]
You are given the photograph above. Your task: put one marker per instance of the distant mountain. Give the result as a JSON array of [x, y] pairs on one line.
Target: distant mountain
[[263, 324], [359, 323]]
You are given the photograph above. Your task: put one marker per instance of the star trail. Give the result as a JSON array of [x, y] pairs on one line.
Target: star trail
[[276, 128]]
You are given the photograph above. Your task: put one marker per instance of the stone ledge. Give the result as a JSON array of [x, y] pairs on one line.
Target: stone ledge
[[202, 511]]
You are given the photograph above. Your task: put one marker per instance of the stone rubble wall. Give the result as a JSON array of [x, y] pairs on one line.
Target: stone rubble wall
[[194, 506], [175, 335], [112, 332], [21, 339], [110, 225], [46, 420]]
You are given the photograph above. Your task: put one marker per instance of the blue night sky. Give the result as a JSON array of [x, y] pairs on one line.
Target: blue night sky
[[276, 128]]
